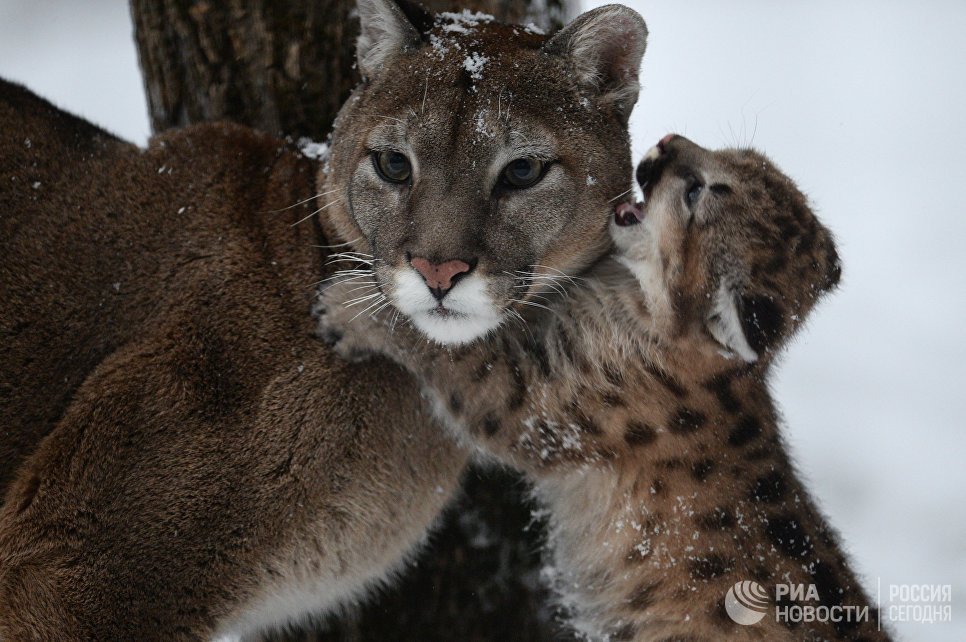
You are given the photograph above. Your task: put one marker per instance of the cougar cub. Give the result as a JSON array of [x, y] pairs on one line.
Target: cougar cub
[[638, 401]]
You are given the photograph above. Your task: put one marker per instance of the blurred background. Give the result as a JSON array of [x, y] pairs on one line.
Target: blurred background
[[863, 104]]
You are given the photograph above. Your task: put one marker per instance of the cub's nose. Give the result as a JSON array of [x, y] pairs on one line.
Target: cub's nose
[[441, 277]]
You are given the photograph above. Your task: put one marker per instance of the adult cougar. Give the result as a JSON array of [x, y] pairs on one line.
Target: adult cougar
[[181, 458]]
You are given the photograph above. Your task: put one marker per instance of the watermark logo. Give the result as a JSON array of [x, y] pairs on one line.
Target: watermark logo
[[747, 602], [920, 603]]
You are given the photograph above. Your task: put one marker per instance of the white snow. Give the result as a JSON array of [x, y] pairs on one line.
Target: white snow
[[463, 21], [313, 149], [473, 64], [861, 103], [481, 129], [532, 28]]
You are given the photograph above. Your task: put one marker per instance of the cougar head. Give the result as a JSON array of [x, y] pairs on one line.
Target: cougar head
[[478, 162], [725, 244]]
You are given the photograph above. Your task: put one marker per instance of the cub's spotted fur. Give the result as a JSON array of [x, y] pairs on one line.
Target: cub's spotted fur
[[639, 403]]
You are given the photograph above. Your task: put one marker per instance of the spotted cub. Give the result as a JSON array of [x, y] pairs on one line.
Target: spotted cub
[[636, 396]]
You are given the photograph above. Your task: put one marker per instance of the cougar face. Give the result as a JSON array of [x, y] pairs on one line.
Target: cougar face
[[726, 241], [477, 158]]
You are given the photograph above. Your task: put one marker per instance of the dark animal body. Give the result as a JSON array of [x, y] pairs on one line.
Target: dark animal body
[[174, 441]]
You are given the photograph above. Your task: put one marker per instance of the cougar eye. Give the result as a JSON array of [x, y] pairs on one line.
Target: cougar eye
[[693, 193], [523, 172], [392, 166]]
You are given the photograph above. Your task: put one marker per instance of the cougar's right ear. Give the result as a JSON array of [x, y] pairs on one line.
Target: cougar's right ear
[[385, 31], [605, 46]]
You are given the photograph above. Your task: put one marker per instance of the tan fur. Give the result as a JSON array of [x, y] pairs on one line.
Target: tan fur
[[182, 457], [176, 448], [655, 444], [460, 126]]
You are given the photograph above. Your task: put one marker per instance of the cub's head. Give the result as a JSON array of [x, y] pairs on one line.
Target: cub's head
[[724, 244], [479, 161]]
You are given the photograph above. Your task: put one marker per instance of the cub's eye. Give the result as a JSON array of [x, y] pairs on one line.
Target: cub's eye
[[693, 193], [523, 172], [392, 166]]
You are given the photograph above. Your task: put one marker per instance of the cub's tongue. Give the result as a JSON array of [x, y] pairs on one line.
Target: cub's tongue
[[626, 214]]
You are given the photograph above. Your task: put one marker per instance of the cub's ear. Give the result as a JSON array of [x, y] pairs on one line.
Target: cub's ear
[[724, 324], [606, 46], [385, 30]]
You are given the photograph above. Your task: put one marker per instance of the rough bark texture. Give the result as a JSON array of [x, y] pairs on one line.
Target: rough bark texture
[[281, 66], [285, 67]]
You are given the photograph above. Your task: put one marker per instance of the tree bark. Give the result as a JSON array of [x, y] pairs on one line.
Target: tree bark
[[282, 66], [285, 67]]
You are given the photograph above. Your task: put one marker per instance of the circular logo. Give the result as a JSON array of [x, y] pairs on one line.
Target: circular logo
[[746, 602]]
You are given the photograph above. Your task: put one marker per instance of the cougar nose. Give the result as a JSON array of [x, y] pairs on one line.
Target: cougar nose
[[441, 277]]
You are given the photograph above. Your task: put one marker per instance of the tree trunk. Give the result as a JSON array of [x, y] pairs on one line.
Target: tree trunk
[[285, 67], [282, 66]]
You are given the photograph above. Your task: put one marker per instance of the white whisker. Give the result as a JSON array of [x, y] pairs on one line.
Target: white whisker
[[332, 247], [569, 277], [363, 286], [378, 301], [621, 194], [301, 220], [302, 202], [345, 275], [531, 303], [362, 299], [425, 91], [381, 308]]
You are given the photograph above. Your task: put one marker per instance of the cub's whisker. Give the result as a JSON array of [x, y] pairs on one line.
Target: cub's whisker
[[625, 193]]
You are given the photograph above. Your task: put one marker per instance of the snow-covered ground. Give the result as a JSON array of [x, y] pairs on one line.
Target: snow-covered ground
[[863, 103]]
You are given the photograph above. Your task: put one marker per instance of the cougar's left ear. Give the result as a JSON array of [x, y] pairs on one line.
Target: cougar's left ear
[[724, 324], [606, 46], [384, 31]]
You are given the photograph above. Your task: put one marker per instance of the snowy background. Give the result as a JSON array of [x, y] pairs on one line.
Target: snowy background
[[864, 104]]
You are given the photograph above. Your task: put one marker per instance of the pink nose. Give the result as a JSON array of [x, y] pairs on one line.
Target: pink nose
[[663, 143], [440, 277]]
